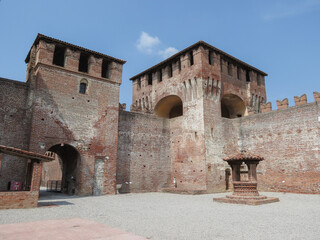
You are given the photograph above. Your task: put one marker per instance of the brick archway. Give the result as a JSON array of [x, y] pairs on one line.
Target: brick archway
[[169, 107], [232, 106], [69, 159]]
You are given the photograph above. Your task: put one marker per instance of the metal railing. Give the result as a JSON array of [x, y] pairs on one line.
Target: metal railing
[[54, 186]]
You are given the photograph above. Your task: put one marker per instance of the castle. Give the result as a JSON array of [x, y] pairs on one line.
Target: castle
[[188, 112]]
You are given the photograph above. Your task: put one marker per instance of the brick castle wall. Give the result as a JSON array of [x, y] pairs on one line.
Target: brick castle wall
[[88, 122], [288, 139], [144, 159], [15, 122]]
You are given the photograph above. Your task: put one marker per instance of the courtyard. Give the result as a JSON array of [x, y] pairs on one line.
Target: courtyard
[[165, 216]]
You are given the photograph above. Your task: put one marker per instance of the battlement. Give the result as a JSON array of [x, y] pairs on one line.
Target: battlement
[[198, 70], [284, 104], [53, 52]]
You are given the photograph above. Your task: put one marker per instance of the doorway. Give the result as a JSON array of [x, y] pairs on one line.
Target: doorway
[[64, 170]]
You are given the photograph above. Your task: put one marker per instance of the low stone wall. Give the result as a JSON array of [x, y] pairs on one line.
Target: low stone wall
[[19, 199]]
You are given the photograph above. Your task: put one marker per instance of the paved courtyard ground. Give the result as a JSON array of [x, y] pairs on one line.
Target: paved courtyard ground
[[165, 216]]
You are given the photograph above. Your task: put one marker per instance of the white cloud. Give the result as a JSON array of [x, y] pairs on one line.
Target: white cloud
[[152, 45], [147, 43], [168, 52], [291, 9]]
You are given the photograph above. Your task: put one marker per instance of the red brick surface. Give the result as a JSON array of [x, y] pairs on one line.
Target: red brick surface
[[288, 139], [62, 115], [144, 158], [15, 118], [146, 152]]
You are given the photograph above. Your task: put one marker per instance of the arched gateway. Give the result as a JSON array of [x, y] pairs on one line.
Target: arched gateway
[[67, 160]]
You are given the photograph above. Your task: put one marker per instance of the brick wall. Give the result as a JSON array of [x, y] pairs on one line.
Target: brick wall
[[221, 141], [14, 128], [23, 199], [62, 115], [87, 122], [144, 157], [20, 199], [288, 139]]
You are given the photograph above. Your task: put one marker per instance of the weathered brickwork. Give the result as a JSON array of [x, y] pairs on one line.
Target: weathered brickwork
[[23, 199], [14, 129], [200, 76], [188, 113], [289, 141], [87, 121], [144, 159], [20, 199], [72, 108], [216, 89]]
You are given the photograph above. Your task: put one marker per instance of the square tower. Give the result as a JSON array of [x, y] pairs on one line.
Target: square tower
[[74, 96]]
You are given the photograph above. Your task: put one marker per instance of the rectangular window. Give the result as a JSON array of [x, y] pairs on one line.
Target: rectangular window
[[211, 58], [170, 70], [83, 88], [150, 79], [230, 69], [258, 79], [138, 83], [59, 56], [248, 76], [106, 68], [239, 73], [179, 64], [83, 63], [191, 58], [160, 75]]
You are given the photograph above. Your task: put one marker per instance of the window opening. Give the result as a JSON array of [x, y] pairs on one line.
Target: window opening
[[211, 59], [229, 69], [59, 56], [160, 75], [150, 79], [191, 58], [170, 70], [106, 69], [83, 88], [239, 73], [139, 83], [258, 79], [83, 63], [248, 76]]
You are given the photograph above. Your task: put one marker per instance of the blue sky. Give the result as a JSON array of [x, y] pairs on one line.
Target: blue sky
[[281, 38]]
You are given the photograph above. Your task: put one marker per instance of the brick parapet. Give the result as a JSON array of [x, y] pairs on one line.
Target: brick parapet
[[284, 104], [287, 139], [253, 92], [44, 53]]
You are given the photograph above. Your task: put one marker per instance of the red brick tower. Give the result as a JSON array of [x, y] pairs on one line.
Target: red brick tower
[[197, 90], [74, 94]]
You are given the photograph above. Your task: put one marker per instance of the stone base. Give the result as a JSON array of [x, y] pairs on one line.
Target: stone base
[[247, 201], [183, 191]]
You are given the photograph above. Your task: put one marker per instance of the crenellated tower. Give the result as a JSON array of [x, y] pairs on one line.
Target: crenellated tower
[[74, 94], [197, 90]]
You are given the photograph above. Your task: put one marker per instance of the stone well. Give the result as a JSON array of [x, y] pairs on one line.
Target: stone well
[[245, 182]]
